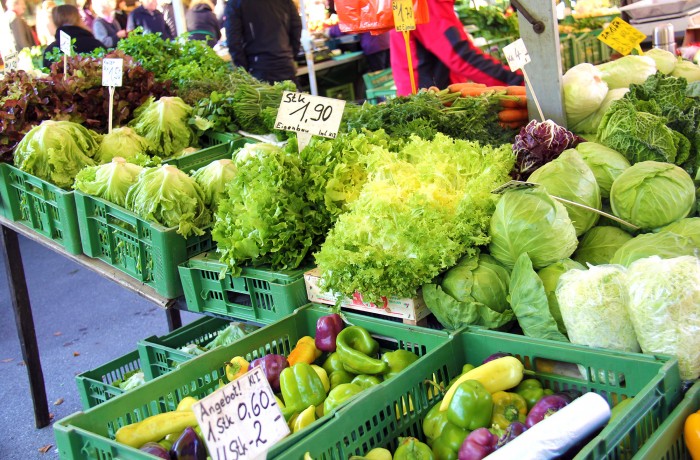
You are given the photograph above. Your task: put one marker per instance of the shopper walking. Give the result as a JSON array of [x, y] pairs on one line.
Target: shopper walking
[[86, 13], [168, 10], [45, 30], [202, 23], [106, 28], [148, 17], [19, 27], [67, 19], [263, 37]]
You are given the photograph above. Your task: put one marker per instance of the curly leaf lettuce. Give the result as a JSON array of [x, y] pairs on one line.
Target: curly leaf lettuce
[[110, 181], [164, 124]]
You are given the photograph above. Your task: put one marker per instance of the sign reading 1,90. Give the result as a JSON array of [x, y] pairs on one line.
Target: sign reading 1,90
[[314, 115]]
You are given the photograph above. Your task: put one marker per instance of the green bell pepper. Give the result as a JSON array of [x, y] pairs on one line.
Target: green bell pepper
[[356, 348], [366, 381], [412, 449], [397, 361], [339, 395], [333, 363], [301, 387], [508, 408], [446, 446], [340, 377], [433, 423], [531, 390], [471, 406]]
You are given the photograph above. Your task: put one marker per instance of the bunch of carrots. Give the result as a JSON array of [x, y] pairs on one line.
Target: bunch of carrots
[[512, 99]]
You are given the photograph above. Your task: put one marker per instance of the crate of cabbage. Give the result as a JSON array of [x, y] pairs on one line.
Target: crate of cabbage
[[156, 356], [91, 434], [645, 387]]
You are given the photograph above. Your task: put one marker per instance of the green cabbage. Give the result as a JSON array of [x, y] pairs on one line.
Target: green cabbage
[[569, 177], [56, 150], [627, 70], [550, 277], [687, 70], [599, 244], [665, 60], [651, 194], [170, 197], [531, 221], [584, 92], [663, 304], [605, 163], [125, 143], [589, 125], [110, 181], [594, 305], [164, 124], [689, 228], [666, 245], [213, 179]]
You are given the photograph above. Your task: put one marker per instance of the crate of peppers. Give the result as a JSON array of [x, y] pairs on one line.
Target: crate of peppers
[[315, 361]]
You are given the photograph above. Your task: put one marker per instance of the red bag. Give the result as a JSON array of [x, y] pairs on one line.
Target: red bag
[[366, 15]]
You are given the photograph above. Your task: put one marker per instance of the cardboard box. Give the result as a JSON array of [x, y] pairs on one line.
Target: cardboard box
[[411, 311]]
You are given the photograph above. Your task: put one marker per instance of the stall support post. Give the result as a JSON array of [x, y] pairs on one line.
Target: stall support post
[[9, 248], [544, 70]]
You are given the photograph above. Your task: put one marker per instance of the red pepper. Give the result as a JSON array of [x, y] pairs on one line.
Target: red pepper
[[327, 329]]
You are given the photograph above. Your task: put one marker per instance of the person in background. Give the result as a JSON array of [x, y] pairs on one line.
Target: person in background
[[263, 37], [106, 28], [120, 14], [148, 17], [202, 22], [376, 50], [67, 19], [86, 13], [166, 6], [442, 53], [45, 30], [19, 27]]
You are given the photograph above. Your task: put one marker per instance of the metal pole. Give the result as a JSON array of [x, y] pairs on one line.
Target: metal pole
[[308, 49]]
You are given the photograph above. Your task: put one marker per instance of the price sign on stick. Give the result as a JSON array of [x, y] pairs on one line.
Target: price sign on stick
[[112, 72], [518, 57], [622, 37], [404, 19], [241, 420], [309, 116], [64, 42], [10, 60]]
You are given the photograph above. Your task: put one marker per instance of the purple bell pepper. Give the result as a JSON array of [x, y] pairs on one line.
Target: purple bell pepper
[[327, 329], [156, 449], [495, 356], [272, 366], [480, 443], [514, 430], [188, 446], [545, 407]]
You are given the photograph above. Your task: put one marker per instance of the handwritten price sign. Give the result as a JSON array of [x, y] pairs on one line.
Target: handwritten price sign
[[112, 72], [621, 36], [404, 19], [241, 420], [64, 42], [516, 54], [309, 116], [10, 62]]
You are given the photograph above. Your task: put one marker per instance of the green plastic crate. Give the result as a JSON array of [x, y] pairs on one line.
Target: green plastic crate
[[258, 295], [583, 47], [144, 250], [654, 381], [201, 158], [89, 434], [211, 138], [43, 207], [97, 386], [667, 442]]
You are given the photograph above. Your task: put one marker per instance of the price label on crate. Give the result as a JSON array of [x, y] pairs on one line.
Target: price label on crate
[[241, 420], [10, 60], [404, 19], [112, 72], [64, 43], [516, 54], [622, 37], [309, 116]]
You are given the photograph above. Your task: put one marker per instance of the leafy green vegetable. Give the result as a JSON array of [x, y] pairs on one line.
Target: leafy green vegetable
[[594, 305], [110, 181], [663, 303], [651, 194], [232, 333], [131, 381], [170, 197], [213, 179], [529, 302], [125, 143], [569, 177], [584, 92], [686, 69], [630, 69], [164, 124], [689, 228], [56, 150], [550, 277], [666, 245], [414, 217], [589, 125], [453, 314], [606, 164], [665, 60], [531, 221], [599, 244]]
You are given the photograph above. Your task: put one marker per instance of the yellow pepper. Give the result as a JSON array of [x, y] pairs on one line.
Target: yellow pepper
[[236, 367], [691, 434], [305, 351]]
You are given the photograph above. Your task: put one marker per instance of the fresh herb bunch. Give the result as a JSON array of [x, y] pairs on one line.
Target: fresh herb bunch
[[493, 22]]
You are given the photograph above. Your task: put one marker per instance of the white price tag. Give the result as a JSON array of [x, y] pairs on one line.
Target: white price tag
[[241, 420], [310, 115], [516, 54], [112, 72], [10, 61], [64, 41]]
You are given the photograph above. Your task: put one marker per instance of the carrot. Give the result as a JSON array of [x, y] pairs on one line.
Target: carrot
[[471, 92], [457, 87], [507, 115], [511, 124], [515, 90], [434, 89], [497, 88], [514, 102]]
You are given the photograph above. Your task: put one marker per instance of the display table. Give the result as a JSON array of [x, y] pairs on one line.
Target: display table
[[10, 251], [334, 62]]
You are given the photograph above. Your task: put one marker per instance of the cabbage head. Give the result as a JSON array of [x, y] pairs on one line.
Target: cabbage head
[[594, 305], [110, 181], [665, 60], [164, 124], [125, 143], [531, 221], [56, 150], [213, 178], [688, 227], [550, 277], [652, 194], [663, 303], [687, 70], [599, 244], [569, 177], [621, 73], [605, 163], [589, 125], [665, 245], [584, 92], [170, 197]]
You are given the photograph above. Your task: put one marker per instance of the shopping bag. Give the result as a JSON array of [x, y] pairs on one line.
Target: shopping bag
[[356, 16]]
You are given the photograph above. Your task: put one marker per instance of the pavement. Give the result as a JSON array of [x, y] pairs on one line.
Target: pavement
[[82, 321]]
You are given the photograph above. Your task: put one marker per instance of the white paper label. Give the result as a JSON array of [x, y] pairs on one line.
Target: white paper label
[[64, 40], [112, 72], [314, 115], [10, 61], [241, 420], [516, 54]]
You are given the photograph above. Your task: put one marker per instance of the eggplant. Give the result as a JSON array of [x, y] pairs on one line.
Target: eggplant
[[545, 407], [156, 449], [479, 444], [188, 446]]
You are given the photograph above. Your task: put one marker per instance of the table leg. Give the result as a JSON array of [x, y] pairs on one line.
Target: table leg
[[174, 319], [9, 248]]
